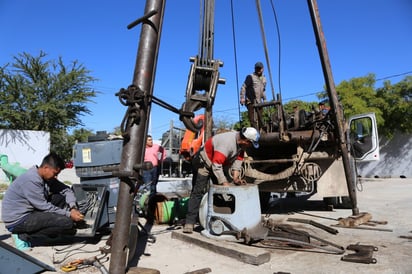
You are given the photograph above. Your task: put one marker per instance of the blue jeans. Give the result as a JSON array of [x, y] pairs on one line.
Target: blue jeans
[[151, 176], [200, 185]]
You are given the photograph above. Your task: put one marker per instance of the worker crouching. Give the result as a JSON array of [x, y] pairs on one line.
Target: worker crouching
[[219, 151]]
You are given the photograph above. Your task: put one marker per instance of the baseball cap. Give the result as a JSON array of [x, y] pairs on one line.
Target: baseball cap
[[259, 65], [251, 134]]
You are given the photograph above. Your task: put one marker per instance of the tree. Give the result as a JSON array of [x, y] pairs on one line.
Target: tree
[[47, 95], [221, 124], [392, 103], [396, 106], [358, 96]]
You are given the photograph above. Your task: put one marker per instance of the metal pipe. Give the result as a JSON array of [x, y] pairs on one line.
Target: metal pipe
[[11, 170], [134, 142], [335, 107]]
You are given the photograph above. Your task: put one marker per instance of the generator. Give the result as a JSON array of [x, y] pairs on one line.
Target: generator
[[90, 158]]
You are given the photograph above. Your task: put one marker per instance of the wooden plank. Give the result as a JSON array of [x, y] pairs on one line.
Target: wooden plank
[[238, 251]]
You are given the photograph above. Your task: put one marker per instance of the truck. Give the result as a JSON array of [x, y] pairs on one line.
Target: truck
[[308, 159]]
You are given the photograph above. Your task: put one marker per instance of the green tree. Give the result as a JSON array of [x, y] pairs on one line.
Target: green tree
[[47, 95], [392, 103], [396, 106], [358, 96], [307, 106]]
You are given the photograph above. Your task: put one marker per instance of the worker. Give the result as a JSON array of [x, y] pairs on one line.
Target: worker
[[323, 109], [155, 154], [37, 205], [219, 151], [253, 91]]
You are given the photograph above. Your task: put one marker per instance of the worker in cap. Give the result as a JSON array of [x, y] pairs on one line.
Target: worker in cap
[[253, 91], [323, 109], [250, 134], [224, 150], [258, 65]]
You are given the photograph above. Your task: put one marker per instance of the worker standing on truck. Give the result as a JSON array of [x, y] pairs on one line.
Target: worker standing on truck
[[155, 154], [253, 91], [224, 149], [36, 204]]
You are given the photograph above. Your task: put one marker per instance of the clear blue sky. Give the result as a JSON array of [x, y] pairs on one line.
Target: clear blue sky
[[362, 36]]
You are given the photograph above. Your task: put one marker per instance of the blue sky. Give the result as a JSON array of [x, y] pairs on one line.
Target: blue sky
[[367, 36]]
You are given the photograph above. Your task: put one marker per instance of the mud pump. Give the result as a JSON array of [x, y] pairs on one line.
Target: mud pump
[[291, 159]]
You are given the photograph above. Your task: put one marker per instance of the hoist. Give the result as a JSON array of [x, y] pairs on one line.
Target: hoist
[[204, 75]]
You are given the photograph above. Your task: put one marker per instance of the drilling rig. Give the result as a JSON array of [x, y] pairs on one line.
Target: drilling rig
[[315, 155]]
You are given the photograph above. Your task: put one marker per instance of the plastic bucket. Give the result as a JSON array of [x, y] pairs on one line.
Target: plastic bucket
[[166, 211]]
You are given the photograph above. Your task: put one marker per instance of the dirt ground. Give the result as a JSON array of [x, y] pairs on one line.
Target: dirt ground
[[386, 199]]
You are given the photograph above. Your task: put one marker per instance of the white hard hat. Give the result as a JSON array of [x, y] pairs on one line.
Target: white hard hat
[[251, 134]]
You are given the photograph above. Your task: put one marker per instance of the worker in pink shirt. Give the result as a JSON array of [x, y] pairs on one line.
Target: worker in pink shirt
[[154, 154]]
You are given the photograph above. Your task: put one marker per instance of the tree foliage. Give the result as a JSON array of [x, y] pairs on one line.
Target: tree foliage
[[358, 96], [396, 106], [47, 95], [392, 103]]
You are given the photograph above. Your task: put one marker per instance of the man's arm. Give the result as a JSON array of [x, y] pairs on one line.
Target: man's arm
[[70, 198], [59, 187], [163, 151], [34, 193], [242, 94], [246, 84], [264, 89]]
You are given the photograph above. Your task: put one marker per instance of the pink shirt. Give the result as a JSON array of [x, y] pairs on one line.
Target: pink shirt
[[154, 154]]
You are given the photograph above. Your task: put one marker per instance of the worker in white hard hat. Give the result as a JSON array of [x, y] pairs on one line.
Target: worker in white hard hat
[[219, 151]]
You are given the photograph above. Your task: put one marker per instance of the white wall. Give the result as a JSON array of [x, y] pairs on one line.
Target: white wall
[[26, 147], [395, 159]]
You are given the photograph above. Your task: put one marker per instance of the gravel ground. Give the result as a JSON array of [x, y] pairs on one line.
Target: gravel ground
[[386, 199]]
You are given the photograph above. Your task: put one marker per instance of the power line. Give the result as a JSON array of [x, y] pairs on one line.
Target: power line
[[394, 75]]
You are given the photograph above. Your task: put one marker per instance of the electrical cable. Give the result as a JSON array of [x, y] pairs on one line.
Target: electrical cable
[[262, 30], [71, 252], [235, 57], [279, 46]]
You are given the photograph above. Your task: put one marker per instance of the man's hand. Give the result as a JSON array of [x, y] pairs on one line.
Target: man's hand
[[239, 182], [242, 101], [75, 215]]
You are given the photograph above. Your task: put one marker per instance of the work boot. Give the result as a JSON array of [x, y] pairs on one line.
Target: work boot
[[20, 244], [188, 228]]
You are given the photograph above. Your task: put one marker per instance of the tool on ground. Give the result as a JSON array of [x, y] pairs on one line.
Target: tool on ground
[[286, 237], [82, 263], [405, 237], [363, 254], [316, 224], [100, 266], [200, 271], [365, 228], [73, 265], [355, 220]]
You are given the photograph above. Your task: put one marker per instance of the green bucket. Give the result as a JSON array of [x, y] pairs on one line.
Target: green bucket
[[167, 211]]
